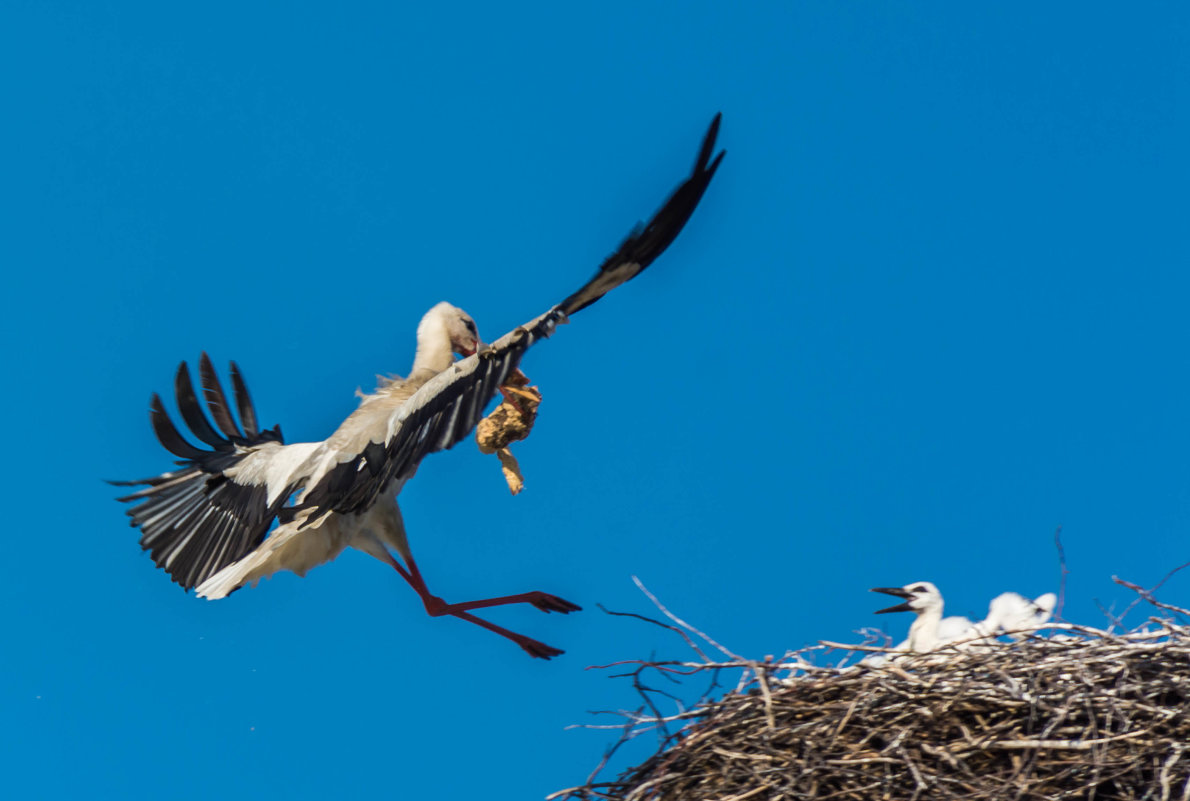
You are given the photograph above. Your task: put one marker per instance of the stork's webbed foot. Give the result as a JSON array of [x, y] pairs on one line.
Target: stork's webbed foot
[[536, 649], [551, 603]]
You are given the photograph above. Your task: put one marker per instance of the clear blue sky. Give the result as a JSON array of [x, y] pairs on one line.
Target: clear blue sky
[[933, 305]]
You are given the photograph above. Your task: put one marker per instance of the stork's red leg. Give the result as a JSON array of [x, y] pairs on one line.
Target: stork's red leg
[[531, 646], [437, 607], [542, 600]]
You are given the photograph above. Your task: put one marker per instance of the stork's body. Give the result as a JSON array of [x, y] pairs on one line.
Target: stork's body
[[1011, 612], [929, 631], [208, 523]]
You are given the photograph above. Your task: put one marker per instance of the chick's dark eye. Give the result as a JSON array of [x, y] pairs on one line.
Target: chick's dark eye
[[470, 326]]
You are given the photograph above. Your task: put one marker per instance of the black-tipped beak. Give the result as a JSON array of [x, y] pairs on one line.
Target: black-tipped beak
[[897, 591]]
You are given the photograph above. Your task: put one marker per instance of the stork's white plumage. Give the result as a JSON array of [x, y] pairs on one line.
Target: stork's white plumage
[[208, 523], [1012, 612], [1007, 612], [929, 629]]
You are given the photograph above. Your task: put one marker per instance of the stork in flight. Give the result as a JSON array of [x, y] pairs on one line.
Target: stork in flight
[[207, 522]]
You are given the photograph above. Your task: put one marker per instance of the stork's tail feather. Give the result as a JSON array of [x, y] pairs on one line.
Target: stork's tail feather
[[283, 550], [225, 582]]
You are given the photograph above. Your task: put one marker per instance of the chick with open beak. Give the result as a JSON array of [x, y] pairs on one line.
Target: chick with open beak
[[899, 592], [923, 598]]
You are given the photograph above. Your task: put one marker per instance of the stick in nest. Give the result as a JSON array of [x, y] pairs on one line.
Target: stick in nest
[[510, 422]]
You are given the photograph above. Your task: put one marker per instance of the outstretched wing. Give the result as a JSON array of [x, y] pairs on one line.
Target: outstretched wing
[[647, 242], [218, 506], [448, 407]]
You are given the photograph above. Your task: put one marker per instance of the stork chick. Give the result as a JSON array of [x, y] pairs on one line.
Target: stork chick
[[929, 630]]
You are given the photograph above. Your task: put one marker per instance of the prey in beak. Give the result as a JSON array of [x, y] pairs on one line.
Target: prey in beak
[[898, 592]]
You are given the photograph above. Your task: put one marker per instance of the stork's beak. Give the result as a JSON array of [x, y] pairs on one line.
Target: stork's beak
[[897, 591]]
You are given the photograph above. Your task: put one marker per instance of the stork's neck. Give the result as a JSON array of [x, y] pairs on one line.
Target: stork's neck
[[923, 633], [434, 353]]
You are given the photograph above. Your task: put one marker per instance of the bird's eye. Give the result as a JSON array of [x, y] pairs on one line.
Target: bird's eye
[[918, 588], [470, 326]]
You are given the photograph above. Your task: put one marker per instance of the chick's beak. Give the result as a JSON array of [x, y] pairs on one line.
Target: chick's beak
[[898, 592]]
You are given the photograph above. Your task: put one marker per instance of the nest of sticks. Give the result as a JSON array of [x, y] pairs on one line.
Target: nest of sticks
[[1064, 712]]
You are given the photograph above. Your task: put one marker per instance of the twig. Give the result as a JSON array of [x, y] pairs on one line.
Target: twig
[[748, 794], [681, 622], [1064, 574], [763, 681], [1163, 777], [849, 647], [674, 629], [1148, 595], [1114, 621], [1152, 589]]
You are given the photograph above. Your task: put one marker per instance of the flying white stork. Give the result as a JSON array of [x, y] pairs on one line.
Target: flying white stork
[[208, 522]]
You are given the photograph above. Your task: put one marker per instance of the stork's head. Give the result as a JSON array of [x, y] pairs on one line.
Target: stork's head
[[920, 596], [456, 324]]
